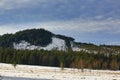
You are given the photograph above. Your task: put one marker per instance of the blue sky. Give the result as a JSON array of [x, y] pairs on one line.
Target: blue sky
[[92, 21]]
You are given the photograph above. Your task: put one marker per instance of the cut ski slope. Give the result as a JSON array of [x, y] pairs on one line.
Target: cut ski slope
[[57, 44]]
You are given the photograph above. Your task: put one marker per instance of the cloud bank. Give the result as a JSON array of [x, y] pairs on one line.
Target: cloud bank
[[13, 4], [79, 26]]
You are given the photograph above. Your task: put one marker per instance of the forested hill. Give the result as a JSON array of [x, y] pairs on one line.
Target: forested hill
[[32, 38]]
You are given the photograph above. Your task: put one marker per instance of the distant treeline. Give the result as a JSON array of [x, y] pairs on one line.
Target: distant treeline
[[62, 59]]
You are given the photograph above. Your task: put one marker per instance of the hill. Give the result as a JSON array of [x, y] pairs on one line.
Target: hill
[[42, 39], [35, 39]]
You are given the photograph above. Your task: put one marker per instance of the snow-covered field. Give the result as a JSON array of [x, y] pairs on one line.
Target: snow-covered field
[[24, 72]]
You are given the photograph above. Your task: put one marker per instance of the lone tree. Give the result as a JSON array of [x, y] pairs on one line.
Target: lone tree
[[14, 64], [62, 65], [114, 65], [62, 60], [79, 64]]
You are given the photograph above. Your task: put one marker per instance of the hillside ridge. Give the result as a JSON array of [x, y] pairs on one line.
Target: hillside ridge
[[43, 39]]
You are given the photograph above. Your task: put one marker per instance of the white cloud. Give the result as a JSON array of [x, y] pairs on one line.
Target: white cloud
[[5, 29], [113, 43], [12, 4], [77, 26], [85, 26]]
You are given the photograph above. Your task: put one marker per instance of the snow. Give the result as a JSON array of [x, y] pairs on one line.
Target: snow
[[74, 47], [57, 43], [55, 73]]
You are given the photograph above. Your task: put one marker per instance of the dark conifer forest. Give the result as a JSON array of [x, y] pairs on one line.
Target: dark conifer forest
[[70, 59]]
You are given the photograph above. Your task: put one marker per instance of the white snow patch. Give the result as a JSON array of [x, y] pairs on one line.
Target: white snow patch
[[54, 73], [58, 44], [74, 47]]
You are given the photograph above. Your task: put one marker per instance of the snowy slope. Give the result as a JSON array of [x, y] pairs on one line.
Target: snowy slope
[[74, 47], [57, 43]]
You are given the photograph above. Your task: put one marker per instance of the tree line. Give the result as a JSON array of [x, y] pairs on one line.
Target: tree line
[[70, 59]]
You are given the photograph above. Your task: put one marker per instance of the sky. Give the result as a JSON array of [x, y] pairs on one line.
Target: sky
[[91, 21]]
